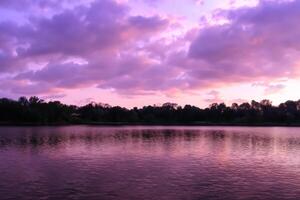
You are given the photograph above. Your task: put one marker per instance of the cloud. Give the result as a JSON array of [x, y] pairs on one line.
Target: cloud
[[274, 89], [214, 97], [82, 32], [252, 44], [53, 97], [53, 5], [271, 88], [102, 45]]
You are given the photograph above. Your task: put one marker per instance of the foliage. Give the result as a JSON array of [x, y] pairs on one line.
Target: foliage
[[37, 111]]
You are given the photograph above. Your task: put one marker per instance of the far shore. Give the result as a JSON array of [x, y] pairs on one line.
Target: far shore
[[118, 124]]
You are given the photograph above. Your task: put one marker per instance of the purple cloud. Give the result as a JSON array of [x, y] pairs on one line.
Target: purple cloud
[[80, 32], [253, 43], [132, 55], [271, 88]]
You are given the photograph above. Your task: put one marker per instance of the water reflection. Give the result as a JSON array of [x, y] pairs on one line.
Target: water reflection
[[85, 162], [51, 136]]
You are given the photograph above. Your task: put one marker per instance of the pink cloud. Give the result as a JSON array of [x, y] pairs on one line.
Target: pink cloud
[[252, 45], [132, 54], [271, 88], [214, 97]]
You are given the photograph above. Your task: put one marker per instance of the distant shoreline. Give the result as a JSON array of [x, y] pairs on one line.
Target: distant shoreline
[[119, 124], [36, 112]]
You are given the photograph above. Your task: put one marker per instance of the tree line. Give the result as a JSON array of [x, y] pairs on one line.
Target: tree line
[[37, 111]]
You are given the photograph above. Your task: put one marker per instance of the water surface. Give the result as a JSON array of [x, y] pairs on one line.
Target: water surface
[[171, 163]]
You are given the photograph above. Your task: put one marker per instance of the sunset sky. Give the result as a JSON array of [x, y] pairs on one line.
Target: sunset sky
[[144, 52]]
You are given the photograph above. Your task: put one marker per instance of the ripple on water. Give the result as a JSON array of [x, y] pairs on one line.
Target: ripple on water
[[84, 162]]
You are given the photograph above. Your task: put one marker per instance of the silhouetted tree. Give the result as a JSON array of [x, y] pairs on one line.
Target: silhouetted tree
[[35, 110]]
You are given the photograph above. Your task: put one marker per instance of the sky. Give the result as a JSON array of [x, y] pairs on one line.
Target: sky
[[145, 52]]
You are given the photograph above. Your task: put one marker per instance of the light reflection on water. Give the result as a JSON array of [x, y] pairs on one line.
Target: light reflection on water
[[86, 162]]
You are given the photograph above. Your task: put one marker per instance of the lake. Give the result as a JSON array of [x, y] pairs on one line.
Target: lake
[[155, 163]]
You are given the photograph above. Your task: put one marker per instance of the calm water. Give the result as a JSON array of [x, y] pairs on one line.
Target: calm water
[[82, 162]]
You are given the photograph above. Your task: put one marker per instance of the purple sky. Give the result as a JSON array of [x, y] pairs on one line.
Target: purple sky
[[139, 52]]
